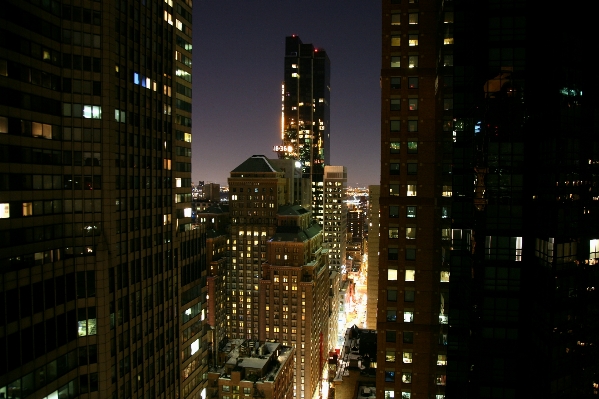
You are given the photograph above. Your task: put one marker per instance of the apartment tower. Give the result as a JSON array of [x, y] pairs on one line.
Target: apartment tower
[[100, 270], [305, 124], [414, 191]]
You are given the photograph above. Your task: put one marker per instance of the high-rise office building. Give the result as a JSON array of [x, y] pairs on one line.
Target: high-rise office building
[[335, 215], [523, 314], [414, 191], [305, 124], [100, 272]]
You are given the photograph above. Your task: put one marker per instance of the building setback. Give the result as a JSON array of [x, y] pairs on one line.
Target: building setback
[[100, 270]]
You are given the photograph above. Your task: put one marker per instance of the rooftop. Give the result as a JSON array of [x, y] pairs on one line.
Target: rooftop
[[256, 164]]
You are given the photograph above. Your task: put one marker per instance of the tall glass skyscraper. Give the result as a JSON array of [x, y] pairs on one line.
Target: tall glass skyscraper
[[101, 274], [305, 125]]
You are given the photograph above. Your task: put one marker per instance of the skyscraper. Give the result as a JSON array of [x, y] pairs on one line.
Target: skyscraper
[[524, 253], [305, 124], [100, 273], [414, 194]]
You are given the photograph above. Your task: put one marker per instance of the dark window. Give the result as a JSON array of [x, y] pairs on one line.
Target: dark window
[[394, 168], [408, 296], [412, 168], [390, 336], [413, 82], [394, 211], [410, 253], [392, 295], [408, 337], [392, 254], [395, 83]]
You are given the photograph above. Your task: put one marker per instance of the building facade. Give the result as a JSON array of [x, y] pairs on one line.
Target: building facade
[[305, 125], [256, 191], [294, 295], [372, 279], [100, 271], [335, 215], [524, 205], [414, 191]]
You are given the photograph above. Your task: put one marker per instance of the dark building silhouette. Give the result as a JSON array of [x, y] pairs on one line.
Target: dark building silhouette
[[523, 312], [489, 155], [102, 278]]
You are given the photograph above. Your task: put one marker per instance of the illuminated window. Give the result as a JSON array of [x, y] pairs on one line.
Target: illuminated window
[[393, 232], [396, 18], [413, 18], [166, 219], [4, 210], [411, 233], [445, 234], [408, 317], [166, 164], [390, 356], [412, 61], [410, 274], [412, 147], [395, 62], [92, 111], [395, 40], [406, 377], [441, 360], [27, 209], [448, 17], [407, 357], [411, 190], [413, 40], [444, 276], [412, 104], [394, 189], [394, 147], [392, 274], [411, 211], [177, 182]]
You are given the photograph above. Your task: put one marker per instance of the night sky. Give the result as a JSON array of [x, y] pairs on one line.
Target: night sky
[[238, 53]]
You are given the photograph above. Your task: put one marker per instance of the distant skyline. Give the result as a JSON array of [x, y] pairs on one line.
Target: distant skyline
[[238, 55]]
